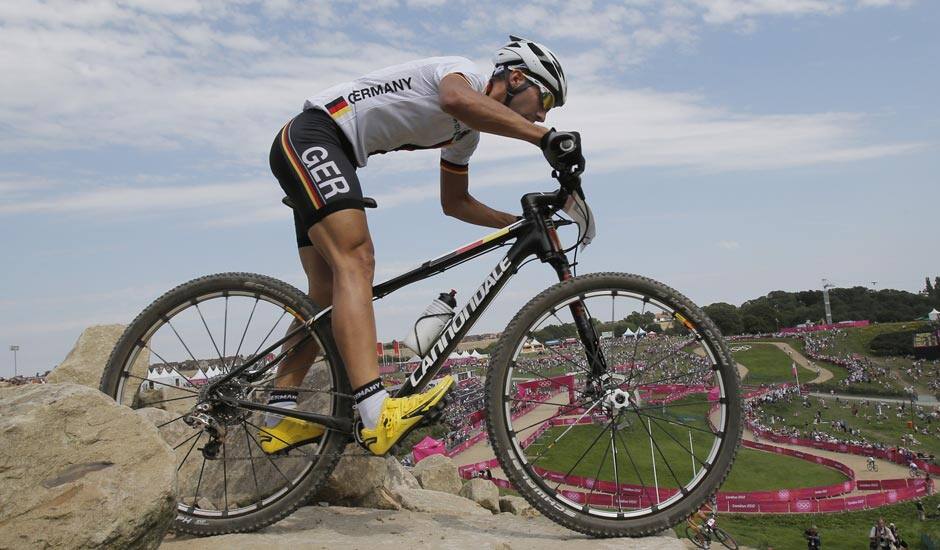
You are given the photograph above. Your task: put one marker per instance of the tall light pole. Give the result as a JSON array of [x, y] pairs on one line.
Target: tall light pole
[[826, 287], [14, 349]]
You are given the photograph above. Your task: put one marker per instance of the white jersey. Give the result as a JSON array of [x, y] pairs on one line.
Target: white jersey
[[398, 108]]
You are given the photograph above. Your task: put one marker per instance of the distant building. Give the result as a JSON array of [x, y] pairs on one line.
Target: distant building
[[664, 320]]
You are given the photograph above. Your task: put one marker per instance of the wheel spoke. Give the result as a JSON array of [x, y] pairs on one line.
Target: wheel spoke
[[199, 436], [152, 403], [254, 474], [211, 339], [248, 324], [193, 357], [129, 375], [198, 485], [591, 446], [172, 421], [268, 335], [187, 440]]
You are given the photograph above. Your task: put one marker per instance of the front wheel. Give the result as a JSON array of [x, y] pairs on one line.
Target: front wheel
[[697, 538], [626, 441], [725, 538]]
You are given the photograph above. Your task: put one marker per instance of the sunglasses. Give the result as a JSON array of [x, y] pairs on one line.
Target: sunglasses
[[547, 97]]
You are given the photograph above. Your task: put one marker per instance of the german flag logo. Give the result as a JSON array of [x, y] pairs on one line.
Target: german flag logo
[[338, 107]]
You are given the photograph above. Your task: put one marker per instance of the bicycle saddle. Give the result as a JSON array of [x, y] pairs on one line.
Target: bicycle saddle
[[367, 202]]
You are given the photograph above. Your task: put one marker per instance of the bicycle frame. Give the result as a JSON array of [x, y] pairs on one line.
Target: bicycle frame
[[535, 234]]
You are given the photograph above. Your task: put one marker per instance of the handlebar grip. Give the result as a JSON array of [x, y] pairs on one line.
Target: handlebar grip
[[566, 145]]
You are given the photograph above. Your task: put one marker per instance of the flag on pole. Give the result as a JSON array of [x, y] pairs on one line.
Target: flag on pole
[[378, 349], [397, 349]]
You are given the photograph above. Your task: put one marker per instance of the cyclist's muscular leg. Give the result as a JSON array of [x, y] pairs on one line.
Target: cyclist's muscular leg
[[342, 240], [320, 289]]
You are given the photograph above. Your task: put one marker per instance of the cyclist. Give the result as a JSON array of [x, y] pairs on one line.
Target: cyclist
[[914, 471], [699, 520], [871, 463], [439, 102]]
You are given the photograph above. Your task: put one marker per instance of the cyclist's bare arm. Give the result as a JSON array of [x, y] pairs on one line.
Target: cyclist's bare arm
[[456, 201], [483, 113]]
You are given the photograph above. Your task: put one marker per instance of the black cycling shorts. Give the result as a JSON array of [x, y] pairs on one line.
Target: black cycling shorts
[[310, 158]]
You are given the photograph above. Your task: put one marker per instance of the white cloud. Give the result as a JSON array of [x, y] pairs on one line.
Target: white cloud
[[729, 245], [169, 76], [123, 199]]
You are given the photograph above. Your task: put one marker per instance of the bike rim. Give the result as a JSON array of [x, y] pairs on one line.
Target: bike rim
[[637, 480], [190, 335]]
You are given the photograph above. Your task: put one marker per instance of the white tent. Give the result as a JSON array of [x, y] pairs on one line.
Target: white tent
[[475, 354], [414, 359], [200, 375], [629, 333], [934, 315], [640, 332]]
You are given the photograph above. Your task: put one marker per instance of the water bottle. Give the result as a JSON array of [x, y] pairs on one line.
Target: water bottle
[[431, 322]]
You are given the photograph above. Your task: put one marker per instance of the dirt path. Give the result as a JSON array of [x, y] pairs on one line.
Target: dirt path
[[482, 451], [822, 374]]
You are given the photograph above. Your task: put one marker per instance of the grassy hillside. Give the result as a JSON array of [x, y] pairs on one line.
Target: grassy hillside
[[846, 531]]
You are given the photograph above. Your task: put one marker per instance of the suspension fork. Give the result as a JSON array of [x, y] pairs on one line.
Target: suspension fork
[[582, 321], [538, 207]]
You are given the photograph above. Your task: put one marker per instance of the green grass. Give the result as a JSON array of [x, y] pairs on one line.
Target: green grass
[[844, 531], [761, 471], [767, 364], [857, 339], [752, 471], [887, 431]]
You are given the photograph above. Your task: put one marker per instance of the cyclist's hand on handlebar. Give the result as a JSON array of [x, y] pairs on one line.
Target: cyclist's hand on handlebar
[[562, 150]]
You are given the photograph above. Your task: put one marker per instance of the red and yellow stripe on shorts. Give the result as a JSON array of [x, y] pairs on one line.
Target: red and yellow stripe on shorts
[[302, 173]]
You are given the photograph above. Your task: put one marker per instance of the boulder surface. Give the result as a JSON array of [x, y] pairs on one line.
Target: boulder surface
[[438, 473], [328, 528], [79, 471], [483, 492], [86, 362]]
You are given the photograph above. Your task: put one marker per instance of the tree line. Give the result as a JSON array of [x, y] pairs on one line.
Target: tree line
[[780, 309]]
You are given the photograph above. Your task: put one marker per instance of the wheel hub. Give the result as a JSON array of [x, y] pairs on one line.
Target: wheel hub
[[617, 399]]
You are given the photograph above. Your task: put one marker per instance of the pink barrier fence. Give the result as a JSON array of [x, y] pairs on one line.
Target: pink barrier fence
[[817, 328], [889, 455], [799, 500]]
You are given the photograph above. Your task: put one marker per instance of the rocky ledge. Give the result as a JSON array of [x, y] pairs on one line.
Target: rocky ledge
[[320, 527]]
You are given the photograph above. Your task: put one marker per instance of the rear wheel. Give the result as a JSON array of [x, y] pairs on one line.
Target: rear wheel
[[200, 331], [635, 449]]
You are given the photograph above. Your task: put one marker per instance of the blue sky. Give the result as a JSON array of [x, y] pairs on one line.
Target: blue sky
[[734, 147]]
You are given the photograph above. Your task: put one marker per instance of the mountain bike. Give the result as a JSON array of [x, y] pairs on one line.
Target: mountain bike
[[642, 420], [703, 535], [871, 466]]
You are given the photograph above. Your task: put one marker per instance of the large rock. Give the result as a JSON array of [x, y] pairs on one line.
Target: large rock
[[86, 362], [517, 506], [368, 481], [317, 527], [483, 492], [438, 473], [79, 471], [437, 502]]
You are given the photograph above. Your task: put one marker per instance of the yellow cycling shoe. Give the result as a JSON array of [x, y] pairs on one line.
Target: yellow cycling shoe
[[288, 434], [400, 415]]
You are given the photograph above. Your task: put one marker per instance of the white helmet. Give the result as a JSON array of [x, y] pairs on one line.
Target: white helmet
[[538, 61]]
